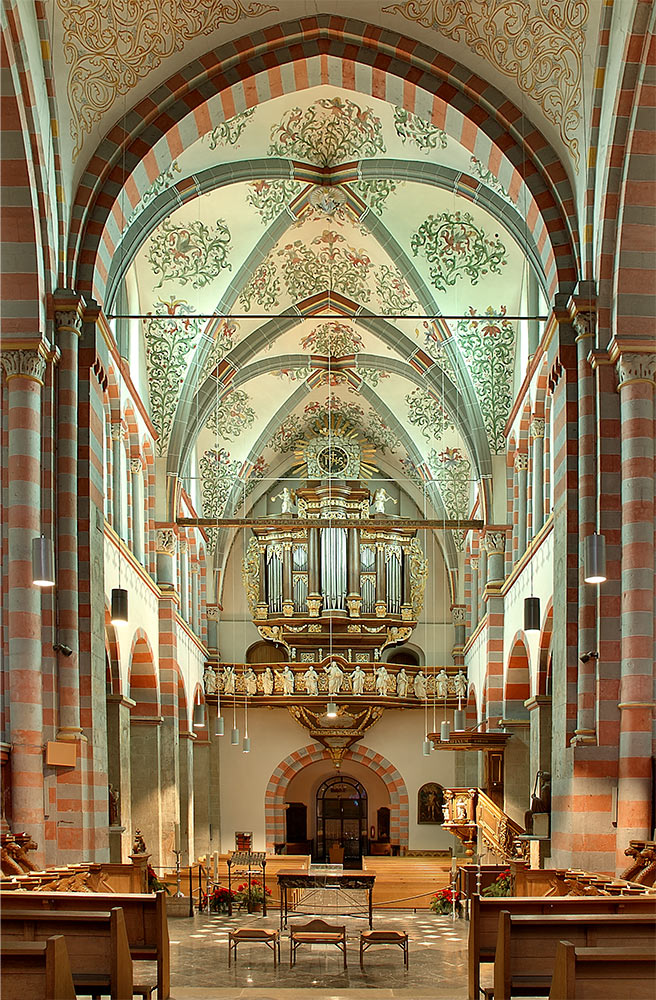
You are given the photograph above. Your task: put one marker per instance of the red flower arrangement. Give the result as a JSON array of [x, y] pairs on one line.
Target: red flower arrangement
[[443, 901]]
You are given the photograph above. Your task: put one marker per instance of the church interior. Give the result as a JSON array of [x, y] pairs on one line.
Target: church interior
[[328, 458]]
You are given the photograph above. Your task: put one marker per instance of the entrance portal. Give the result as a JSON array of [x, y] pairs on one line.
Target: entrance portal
[[341, 821]]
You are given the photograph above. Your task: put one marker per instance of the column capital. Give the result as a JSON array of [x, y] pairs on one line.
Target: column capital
[[212, 612], [584, 324], [136, 465], [26, 364], [166, 541], [183, 545], [495, 542], [117, 431], [69, 319], [634, 367], [521, 461], [458, 614], [537, 427]]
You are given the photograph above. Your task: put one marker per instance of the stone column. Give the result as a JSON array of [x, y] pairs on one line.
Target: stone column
[[314, 568], [25, 373], [213, 613], [495, 542], [166, 545], [119, 488], [136, 471], [539, 709], [119, 775], [287, 577], [537, 437], [521, 470], [637, 379], [186, 788], [354, 598], [495, 546], [475, 595], [146, 782], [459, 616], [68, 328], [169, 784], [195, 598], [183, 587], [381, 581], [201, 781]]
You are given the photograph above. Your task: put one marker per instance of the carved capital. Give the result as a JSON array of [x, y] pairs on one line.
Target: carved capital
[[183, 545], [68, 319], [212, 612], [521, 461], [28, 364], [495, 542], [458, 614], [537, 427], [166, 541], [584, 324], [636, 367], [117, 431], [136, 465]]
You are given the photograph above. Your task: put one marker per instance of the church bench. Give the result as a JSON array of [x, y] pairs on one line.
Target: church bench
[[484, 916], [97, 945], [526, 945], [39, 970], [411, 881], [145, 921], [603, 973]]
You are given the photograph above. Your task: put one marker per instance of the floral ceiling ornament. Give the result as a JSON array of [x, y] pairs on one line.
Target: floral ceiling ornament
[[161, 183], [375, 191], [490, 180], [232, 416], [222, 338], [327, 132], [270, 198], [426, 413], [327, 263], [456, 248], [333, 339], [412, 128], [169, 345], [191, 252], [264, 287], [488, 346], [436, 347], [453, 474], [227, 133], [394, 292], [537, 43], [218, 473], [110, 45]]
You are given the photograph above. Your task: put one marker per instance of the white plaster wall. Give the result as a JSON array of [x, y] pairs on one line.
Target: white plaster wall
[[533, 581]]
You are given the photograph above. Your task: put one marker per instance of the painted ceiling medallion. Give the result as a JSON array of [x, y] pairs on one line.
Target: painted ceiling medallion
[[332, 449], [538, 44], [333, 339], [329, 131], [189, 253], [232, 415], [456, 248], [110, 45]]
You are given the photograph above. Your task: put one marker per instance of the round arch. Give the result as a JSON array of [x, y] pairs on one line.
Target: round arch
[[292, 764], [322, 49], [517, 680], [544, 652], [142, 677]]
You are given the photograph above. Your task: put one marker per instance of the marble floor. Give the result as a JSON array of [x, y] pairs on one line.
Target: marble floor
[[199, 961]]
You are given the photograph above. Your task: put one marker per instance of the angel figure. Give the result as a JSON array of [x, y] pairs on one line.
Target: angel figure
[[250, 682], [267, 681], [402, 683], [383, 680], [442, 684], [335, 677], [357, 680], [228, 680], [209, 680], [420, 685], [288, 497], [287, 677], [381, 497], [311, 678]]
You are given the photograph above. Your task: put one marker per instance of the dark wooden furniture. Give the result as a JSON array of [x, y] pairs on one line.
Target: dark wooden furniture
[[369, 938], [603, 973], [97, 945], [39, 970], [317, 932], [253, 935], [526, 945], [322, 880], [484, 917], [246, 865], [145, 921]]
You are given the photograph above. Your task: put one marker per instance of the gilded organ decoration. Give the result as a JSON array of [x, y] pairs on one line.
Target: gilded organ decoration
[[418, 576], [250, 574]]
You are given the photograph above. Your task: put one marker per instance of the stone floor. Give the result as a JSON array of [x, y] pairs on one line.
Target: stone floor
[[438, 961]]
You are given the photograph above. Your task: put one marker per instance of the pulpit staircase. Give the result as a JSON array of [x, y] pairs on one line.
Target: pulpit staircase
[[482, 825]]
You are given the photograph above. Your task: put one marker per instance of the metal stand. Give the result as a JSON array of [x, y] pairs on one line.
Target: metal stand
[[179, 894]]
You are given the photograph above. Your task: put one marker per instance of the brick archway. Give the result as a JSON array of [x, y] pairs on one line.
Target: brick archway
[[313, 753]]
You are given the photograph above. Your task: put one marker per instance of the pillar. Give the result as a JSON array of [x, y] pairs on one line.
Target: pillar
[[475, 595], [537, 483], [183, 589], [201, 781], [314, 594], [539, 709], [495, 546], [119, 773], [381, 581], [138, 503], [354, 598], [119, 487], [212, 611], [195, 596], [25, 372], [169, 784], [637, 379], [146, 782], [495, 543], [287, 578], [166, 544], [521, 470], [458, 616], [186, 789]]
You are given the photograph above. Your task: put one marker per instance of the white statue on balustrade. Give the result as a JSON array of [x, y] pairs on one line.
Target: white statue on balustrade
[[335, 677], [420, 685], [402, 683], [442, 684], [357, 680], [267, 681], [311, 678], [250, 682], [381, 497], [384, 680], [287, 677], [209, 680], [461, 685], [288, 497], [228, 680]]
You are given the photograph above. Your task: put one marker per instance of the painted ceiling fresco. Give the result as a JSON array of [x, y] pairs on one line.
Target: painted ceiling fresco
[[326, 269]]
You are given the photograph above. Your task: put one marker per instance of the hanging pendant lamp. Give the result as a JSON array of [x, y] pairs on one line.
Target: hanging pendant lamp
[[331, 709], [427, 746], [199, 715], [119, 614], [531, 614], [43, 573], [594, 558], [445, 731]]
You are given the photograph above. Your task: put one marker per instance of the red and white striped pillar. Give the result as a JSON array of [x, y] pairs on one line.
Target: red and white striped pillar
[[637, 381], [25, 372]]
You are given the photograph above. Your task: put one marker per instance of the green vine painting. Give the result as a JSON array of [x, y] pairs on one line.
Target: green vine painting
[[488, 346], [169, 346], [456, 248], [161, 183], [329, 131], [328, 263], [375, 191], [287, 435], [232, 416], [333, 339], [426, 413], [436, 348], [394, 292], [218, 472], [223, 339], [263, 289], [227, 133], [453, 474], [189, 253], [270, 198], [413, 129], [372, 376], [411, 472], [489, 179]]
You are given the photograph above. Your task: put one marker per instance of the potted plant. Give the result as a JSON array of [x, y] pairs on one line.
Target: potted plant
[[155, 884], [257, 894], [502, 885], [443, 900], [219, 900]]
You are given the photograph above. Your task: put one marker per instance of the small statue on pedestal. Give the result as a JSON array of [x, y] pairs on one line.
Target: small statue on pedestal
[[138, 847], [288, 497], [381, 497]]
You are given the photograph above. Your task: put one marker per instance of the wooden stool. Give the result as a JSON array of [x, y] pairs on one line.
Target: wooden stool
[[368, 938], [253, 934]]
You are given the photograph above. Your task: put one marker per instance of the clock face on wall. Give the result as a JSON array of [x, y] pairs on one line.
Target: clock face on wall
[[333, 461]]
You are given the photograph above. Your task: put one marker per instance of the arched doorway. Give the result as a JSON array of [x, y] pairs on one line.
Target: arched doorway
[[341, 821]]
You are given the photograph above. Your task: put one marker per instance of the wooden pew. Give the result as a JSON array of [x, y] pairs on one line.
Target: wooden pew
[[484, 916], [39, 970], [526, 945], [411, 881], [603, 973], [145, 921], [97, 945]]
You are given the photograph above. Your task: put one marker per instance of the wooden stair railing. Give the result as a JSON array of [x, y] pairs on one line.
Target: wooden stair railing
[[469, 812]]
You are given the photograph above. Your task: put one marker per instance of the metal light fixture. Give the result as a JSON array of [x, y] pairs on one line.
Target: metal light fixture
[[445, 731], [119, 606], [234, 736], [594, 558], [43, 573], [531, 614], [219, 726], [331, 709], [459, 720], [427, 746], [246, 744], [199, 716]]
